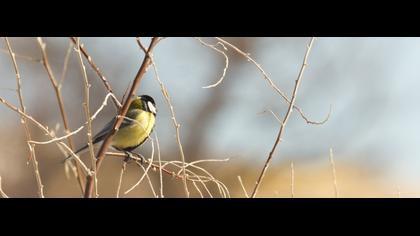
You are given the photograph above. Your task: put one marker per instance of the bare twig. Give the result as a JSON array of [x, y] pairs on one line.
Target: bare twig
[[56, 86], [222, 188], [59, 138], [274, 114], [292, 179], [214, 47], [160, 164], [176, 124], [86, 106], [65, 64], [28, 58], [122, 113], [104, 103], [190, 176], [123, 168], [243, 187], [154, 166], [141, 45], [95, 68], [47, 132], [149, 181], [198, 189], [286, 118], [24, 122], [272, 84], [145, 171], [334, 173], [56, 139], [3, 194]]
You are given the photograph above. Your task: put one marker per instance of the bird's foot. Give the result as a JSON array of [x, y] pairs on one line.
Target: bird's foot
[[128, 157], [134, 156]]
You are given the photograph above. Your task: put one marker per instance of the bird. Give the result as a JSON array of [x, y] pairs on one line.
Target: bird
[[135, 128]]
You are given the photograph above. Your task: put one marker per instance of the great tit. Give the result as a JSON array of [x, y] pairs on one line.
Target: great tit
[[136, 127]]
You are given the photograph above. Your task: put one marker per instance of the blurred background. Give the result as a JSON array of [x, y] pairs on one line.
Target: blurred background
[[371, 83]]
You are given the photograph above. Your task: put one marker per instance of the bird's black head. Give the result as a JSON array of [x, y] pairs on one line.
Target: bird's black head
[[147, 98], [148, 103]]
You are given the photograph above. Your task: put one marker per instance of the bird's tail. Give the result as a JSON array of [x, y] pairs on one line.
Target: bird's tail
[[79, 150]]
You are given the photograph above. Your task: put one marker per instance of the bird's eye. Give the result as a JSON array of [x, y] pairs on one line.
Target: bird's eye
[[152, 108]]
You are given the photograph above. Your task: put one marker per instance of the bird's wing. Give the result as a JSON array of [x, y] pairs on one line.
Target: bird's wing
[[108, 127], [103, 133]]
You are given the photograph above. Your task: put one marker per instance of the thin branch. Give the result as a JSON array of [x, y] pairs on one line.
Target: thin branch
[[59, 97], [21, 56], [65, 64], [145, 171], [190, 176], [86, 106], [272, 84], [286, 118], [176, 124], [82, 164], [18, 56], [154, 166], [243, 187], [59, 138], [47, 132], [122, 113], [138, 40], [222, 188], [55, 85], [148, 179], [292, 179], [214, 47], [95, 68], [160, 164], [166, 95], [198, 189], [24, 122], [334, 173], [123, 168], [3, 194], [274, 114], [56, 139]]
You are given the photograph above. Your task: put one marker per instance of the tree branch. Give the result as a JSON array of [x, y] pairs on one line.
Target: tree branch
[[121, 115], [96, 69], [24, 122], [286, 118], [60, 102]]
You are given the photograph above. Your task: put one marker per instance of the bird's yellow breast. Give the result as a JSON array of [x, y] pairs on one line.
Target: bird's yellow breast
[[136, 133]]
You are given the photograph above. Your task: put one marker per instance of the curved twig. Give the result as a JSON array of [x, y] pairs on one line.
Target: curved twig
[[286, 118]]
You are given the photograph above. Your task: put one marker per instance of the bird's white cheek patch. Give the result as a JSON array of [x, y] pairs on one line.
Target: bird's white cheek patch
[[151, 107]]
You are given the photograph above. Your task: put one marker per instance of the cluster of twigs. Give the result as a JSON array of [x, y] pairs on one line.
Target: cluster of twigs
[[191, 172], [291, 102], [186, 172]]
